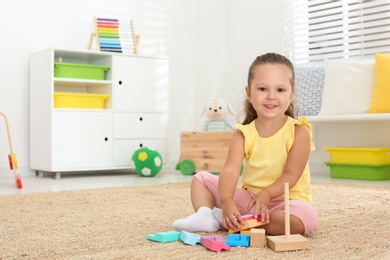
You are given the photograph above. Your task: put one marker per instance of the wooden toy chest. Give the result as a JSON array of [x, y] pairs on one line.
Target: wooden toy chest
[[203, 151]]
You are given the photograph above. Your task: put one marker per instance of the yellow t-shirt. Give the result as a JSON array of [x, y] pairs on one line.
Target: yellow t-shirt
[[266, 158]]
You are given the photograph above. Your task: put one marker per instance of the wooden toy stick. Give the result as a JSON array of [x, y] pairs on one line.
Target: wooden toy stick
[[12, 157], [287, 242], [287, 210]]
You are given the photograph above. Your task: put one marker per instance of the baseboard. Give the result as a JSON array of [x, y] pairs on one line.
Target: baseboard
[[22, 171], [319, 168]]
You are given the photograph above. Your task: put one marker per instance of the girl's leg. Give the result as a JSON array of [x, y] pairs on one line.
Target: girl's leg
[[202, 198], [206, 203], [303, 218], [276, 225]]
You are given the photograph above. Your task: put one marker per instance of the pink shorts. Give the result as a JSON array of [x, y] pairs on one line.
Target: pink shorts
[[299, 208]]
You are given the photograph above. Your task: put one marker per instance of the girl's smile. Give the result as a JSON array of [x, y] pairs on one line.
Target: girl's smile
[[270, 91]]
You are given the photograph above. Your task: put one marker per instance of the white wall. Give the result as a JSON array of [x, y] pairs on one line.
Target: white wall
[[210, 44], [254, 28]]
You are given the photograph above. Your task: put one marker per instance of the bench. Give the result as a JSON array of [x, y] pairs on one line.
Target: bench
[[351, 126], [355, 130]]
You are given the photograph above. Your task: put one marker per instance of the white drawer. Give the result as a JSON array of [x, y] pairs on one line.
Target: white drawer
[[140, 125]]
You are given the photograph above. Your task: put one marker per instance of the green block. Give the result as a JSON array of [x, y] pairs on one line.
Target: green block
[[164, 237]]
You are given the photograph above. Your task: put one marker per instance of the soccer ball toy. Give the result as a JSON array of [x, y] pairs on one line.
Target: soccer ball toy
[[147, 162]]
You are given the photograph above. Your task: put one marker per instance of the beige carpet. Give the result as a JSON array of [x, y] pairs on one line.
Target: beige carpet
[[112, 224]]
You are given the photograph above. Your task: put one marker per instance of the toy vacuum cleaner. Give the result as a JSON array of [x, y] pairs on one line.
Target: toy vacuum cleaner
[[13, 163]]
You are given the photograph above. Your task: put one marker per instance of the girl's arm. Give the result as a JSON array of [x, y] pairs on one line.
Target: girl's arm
[[295, 165], [228, 179]]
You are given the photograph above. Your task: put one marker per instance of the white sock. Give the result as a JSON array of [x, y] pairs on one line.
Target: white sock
[[202, 220], [217, 212]]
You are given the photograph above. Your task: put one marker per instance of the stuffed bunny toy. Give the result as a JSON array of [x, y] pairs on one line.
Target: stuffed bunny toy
[[216, 110]]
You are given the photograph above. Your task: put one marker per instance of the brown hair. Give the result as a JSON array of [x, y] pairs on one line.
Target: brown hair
[[268, 58]]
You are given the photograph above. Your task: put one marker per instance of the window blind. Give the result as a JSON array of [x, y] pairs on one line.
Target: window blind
[[315, 30]]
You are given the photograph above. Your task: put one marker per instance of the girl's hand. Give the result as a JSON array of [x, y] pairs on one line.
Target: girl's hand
[[231, 216], [261, 202]]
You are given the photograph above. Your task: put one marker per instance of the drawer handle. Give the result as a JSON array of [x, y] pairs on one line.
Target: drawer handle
[[105, 139], [140, 119], [140, 145], [120, 82]]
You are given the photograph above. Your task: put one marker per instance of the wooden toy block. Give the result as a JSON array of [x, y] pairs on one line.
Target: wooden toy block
[[293, 242], [164, 237], [257, 237], [245, 232], [287, 242], [252, 223], [189, 238], [215, 245], [237, 240]]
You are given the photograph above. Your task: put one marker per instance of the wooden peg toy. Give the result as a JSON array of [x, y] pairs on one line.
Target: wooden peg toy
[[287, 242]]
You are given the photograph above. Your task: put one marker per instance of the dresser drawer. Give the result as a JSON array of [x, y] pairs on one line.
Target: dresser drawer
[[140, 125]]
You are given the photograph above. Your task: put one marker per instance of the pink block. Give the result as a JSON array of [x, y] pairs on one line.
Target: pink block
[[215, 238], [215, 246], [248, 217], [251, 216]]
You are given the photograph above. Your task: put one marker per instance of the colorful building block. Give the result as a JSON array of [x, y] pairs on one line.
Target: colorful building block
[[164, 237], [251, 223], [214, 243], [237, 240], [248, 217], [257, 237], [215, 238], [189, 238]]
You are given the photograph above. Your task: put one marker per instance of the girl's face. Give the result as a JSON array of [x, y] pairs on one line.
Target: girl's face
[[270, 90]]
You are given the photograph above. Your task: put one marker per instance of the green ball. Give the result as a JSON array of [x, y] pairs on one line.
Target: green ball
[[147, 162]]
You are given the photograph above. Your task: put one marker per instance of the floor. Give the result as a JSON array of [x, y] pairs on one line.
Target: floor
[[47, 183]]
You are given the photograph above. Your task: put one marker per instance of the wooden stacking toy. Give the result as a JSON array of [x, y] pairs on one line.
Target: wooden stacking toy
[[287, 242]]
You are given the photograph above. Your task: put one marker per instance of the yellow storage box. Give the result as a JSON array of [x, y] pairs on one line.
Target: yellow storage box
[[77, 100], [359, 155]]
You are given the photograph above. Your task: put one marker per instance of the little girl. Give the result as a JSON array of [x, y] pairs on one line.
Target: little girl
[[276, 149]]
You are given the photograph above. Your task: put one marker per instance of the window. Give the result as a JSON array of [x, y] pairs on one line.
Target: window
[[315, 30]]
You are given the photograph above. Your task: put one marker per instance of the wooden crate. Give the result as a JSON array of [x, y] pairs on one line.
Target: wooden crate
[[207, 150]]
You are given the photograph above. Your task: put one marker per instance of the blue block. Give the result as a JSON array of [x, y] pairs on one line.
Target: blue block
[[164, 237], [237, 240], [189, 238]]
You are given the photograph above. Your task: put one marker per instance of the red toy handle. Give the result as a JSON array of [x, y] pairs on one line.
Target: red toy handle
[[19, 182], [10, 162]]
